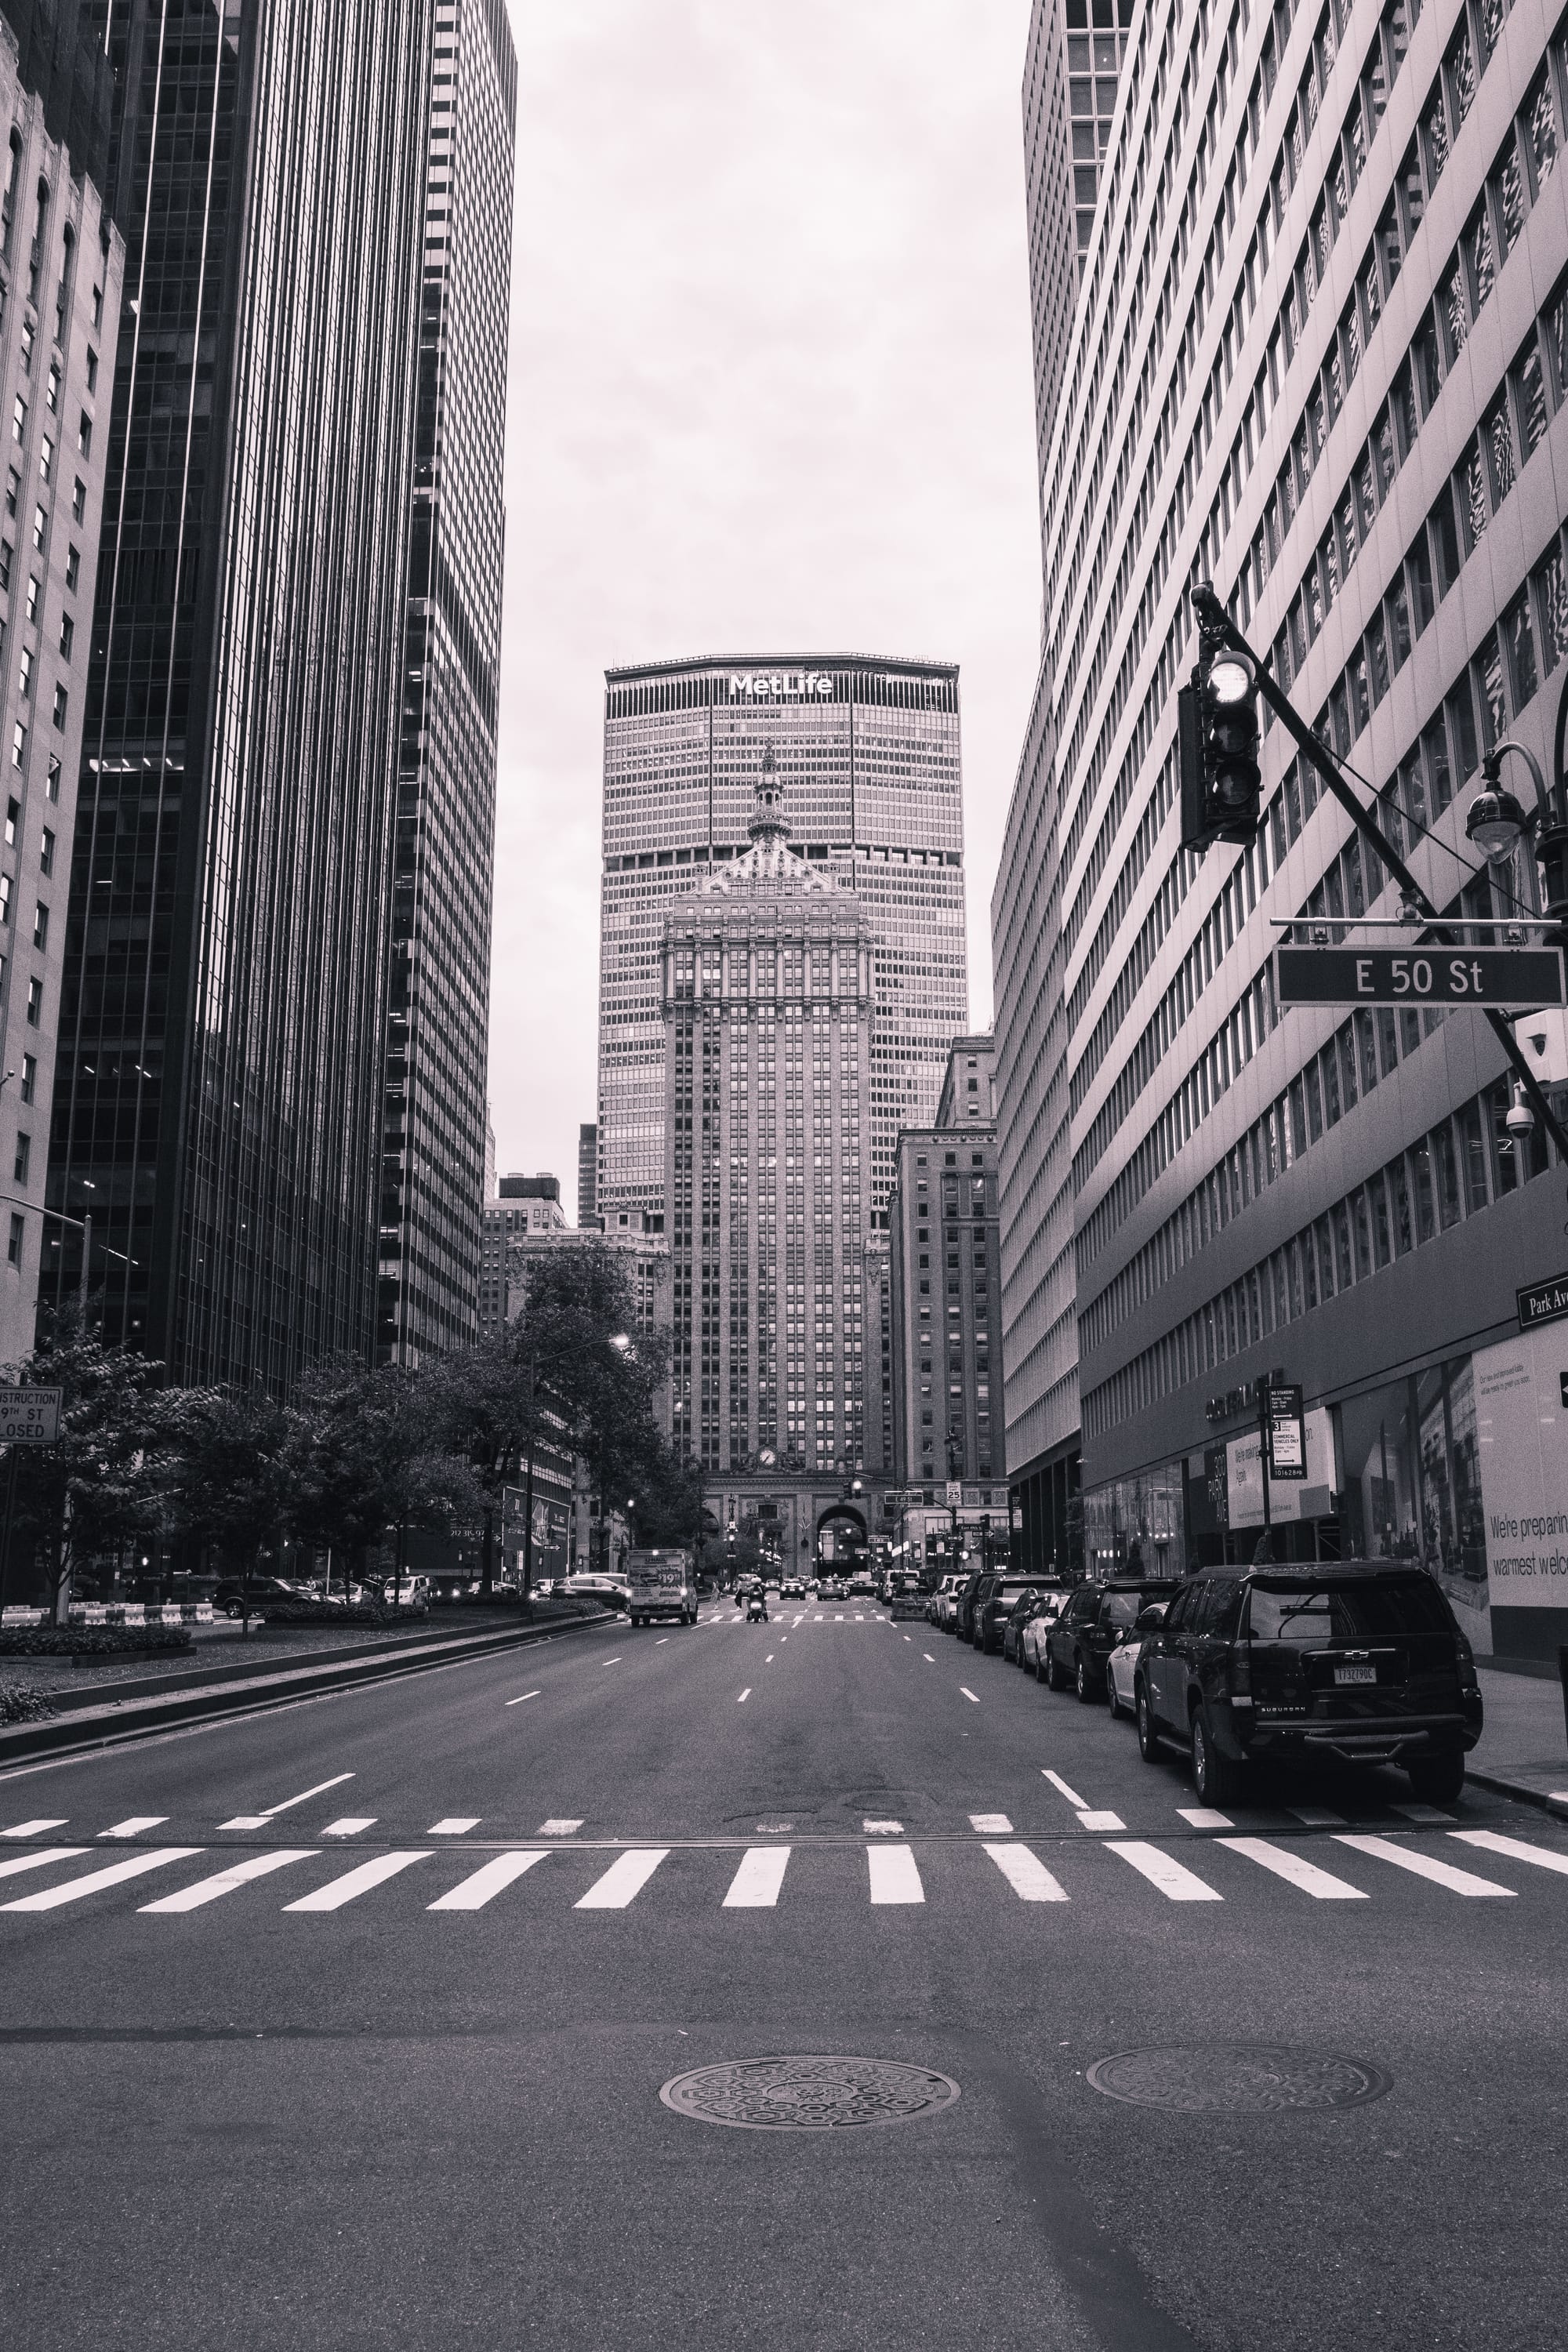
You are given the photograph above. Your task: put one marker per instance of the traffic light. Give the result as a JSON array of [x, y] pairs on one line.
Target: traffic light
[[1217, 733]]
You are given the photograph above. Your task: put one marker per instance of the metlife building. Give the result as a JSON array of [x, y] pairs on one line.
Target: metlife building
[[867, 750]]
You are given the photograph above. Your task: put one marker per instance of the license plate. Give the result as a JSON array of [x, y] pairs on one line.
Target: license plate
[[1343, 1674]]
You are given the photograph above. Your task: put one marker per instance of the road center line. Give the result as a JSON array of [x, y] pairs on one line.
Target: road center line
[[517, 1702], [661, 1641], [259, 1821], [1079, 1804]]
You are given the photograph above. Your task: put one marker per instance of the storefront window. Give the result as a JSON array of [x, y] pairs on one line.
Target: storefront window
[[1134, 1526], [1413, 1483]]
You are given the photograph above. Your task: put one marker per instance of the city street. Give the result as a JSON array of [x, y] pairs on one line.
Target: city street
[[347, 2025]]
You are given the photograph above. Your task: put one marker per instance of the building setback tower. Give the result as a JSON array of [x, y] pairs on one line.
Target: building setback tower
[[61, 265], [766, 1003], [218, 1094], [438, 1011], [867, 754]]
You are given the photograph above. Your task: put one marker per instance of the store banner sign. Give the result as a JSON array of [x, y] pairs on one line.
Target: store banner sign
[[1522, 1428], [1244, 1480], [1287, 1434]]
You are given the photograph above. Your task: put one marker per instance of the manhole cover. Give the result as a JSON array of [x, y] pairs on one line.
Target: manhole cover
[[1240, 2078], [809, 2093]]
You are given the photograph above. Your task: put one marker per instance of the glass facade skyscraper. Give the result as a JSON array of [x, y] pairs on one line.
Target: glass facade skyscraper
[[869, 755], [437, 1013], [218, 1086]]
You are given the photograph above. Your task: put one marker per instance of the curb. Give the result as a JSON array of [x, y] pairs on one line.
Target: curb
[[1500, 1784], [136, 1717]]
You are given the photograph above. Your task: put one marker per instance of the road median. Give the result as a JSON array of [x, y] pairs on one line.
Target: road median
[[102, 1719]]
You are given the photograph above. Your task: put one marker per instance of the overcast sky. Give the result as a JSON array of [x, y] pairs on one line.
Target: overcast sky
[[770, 390]]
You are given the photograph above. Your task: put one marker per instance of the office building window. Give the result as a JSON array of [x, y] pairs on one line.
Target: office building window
[[14, 1246]]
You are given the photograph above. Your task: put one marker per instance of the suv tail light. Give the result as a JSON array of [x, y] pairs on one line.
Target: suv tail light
[[1466, 1658], [1241, 1670]]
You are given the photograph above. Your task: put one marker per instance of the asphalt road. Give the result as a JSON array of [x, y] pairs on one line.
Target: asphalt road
[[400, 2085]]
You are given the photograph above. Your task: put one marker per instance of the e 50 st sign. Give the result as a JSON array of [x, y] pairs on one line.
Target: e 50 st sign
[[1424, 975]]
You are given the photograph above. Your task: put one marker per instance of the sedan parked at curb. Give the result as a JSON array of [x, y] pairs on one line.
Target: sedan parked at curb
[[1121, 1667], [1082, 1639], [1036, 1631]]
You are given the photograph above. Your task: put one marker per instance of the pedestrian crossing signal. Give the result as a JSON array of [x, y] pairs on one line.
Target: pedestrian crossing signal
[[1218, 745]]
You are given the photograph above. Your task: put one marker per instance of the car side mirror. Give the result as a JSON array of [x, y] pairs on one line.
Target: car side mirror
[[1151, 1617]]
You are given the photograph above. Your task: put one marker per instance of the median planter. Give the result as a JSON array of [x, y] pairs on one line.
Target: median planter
[[24, 1703], [77, 1641], [349, 1613]]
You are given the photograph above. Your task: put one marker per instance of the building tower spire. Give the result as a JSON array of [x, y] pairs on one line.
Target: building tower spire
[[769, 828]]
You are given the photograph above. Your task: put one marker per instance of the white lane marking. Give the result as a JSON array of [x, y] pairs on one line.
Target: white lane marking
[[817, 1619], [745, 1695], [1099, 1822], [968, 1694], [609, 1661], [517, 1702], [355, 1883], [554, 1828], [471, 1893], [259, 1821], [908, 1637], [53, 1896], [1163, 1869], [134, 1825], [34, 1829], [927, 1656], [769, 1659], [1058, 1783], [991, 1824], [349, 1825], [1027, 1875], [1203, 1817], [755, 1885], [661, 1641], [882, 1829], [839, 1618], [453, 1825], [39, 1857], [1313, 1817], [224, 1881], [1426, 1815], [1426, 1865], [774, 1828], [622, 1882], [894, 1878], [1515, 1848], [859, 1619], [1296, 1870]]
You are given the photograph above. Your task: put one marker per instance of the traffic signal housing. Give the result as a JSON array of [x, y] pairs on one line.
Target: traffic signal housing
[[1222, 794]]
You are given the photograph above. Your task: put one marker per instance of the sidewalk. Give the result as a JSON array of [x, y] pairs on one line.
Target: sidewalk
[[1523, 1751]]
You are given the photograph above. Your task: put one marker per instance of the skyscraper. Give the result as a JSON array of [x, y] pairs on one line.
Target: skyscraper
[[587, 1174], [60, 266], [766, 982], [869, 755], [218, 1096], [438, 1011]]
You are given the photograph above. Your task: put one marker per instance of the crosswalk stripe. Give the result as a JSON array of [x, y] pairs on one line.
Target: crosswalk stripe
[[894, 1877], [755, 1885], [622, 1882], [471, 1893], [557, 1827], [135, 1825], [1296, 1870], [357, 1882], [991, 1824], [1424, 1865], [1313, 1817], [51, 1897], [1427, 1815], [453, 1825], [1515, 1848], [1027, 1875], [1094, 1821], [1203, 1817], [39, 1857], [224, 1881], [34, 1829], [349, 1825], [1163, 1869]]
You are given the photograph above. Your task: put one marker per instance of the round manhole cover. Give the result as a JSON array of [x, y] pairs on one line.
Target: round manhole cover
[[809, 2093], [1240, 2078]]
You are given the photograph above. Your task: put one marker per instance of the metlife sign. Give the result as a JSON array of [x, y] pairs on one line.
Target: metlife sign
[[781, 685]]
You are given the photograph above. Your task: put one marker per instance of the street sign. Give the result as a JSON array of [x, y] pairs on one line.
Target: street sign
[[1422, 975], [1287, 1432], [1542, 1302], [954, 1493], [29, 1416]]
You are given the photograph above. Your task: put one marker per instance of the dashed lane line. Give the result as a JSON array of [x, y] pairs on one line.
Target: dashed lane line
[[471, 1893], [969, 1695], [745, 1695], [270, 1813], [1078, 1803], [517, 1702]]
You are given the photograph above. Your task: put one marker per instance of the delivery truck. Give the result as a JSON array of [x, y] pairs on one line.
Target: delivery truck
[[663, 1583]]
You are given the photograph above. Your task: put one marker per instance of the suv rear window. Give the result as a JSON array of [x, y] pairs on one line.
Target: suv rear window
[[1369, 1609], [1119, 1608]]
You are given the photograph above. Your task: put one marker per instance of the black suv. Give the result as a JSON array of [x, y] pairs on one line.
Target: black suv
[[1347, 1661], [1079, 1645], [969, 1593], [994, 1598]]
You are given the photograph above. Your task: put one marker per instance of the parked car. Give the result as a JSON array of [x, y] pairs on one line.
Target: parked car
[[610, 1589], [1353, 1662], [962, 1602], [1121, 1667], [231, 1596], [994, 1596], [1029, 1605], [1036, 1631], [1084, 1635]]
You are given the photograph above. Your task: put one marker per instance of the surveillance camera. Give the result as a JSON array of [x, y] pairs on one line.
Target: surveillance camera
[[1521, 1120]]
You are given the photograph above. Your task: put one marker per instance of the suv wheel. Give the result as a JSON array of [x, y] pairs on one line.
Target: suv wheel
[[1215, 1776], [1148, 1738], [1055, 1678], [1438, 1780], [1081, 1681]]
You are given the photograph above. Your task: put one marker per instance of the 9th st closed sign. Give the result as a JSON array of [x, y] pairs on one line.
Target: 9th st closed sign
[[1424, 975], [29, 1416]]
